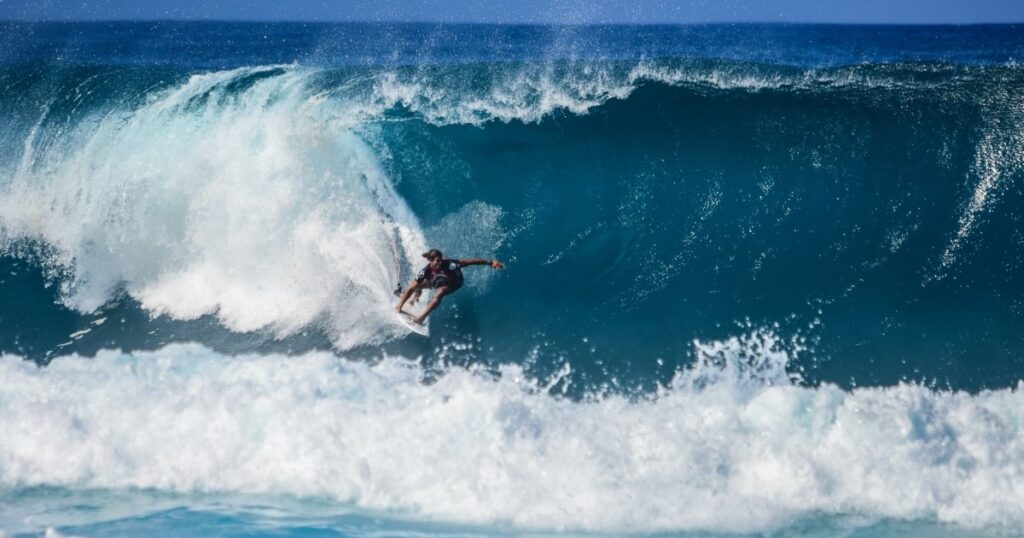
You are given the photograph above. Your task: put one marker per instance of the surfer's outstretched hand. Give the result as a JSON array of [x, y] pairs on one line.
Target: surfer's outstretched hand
[[495, 264]]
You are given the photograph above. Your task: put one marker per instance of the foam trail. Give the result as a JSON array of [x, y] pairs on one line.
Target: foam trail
[[230, 195], [998, 155], [731, 445]]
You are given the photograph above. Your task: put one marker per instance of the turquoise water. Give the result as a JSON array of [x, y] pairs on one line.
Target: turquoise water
[[761, 280]]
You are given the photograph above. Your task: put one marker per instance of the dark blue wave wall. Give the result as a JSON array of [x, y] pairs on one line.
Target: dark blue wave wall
[[867, 215], [880, 222]]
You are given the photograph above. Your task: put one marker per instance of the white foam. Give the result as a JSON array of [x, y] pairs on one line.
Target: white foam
[[205, 200], [730, 445], [531, 92], [528, 94], [54, 533], [997, 156]]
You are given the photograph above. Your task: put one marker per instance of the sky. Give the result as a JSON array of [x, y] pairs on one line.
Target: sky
[[529, 11]]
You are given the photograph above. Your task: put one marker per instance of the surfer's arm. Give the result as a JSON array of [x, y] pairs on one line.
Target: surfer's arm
[[414, 287], [495, 264]]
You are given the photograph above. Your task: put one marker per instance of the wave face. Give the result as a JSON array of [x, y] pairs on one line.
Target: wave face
[[760, 278], [871, 209]]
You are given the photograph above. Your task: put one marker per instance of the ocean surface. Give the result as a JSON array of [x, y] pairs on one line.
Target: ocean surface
[[762, 280]]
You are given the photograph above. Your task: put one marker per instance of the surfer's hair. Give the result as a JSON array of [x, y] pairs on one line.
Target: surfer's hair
[[433, 254]]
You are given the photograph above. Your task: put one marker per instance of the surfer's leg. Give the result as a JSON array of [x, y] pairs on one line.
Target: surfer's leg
[[439, 294]]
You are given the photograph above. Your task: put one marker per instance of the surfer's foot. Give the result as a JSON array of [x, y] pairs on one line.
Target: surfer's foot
[[418, 321]]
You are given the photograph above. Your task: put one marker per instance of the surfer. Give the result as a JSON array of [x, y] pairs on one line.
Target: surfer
[[444, 275]]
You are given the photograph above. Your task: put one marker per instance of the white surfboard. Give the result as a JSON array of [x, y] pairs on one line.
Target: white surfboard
[[406, 319]]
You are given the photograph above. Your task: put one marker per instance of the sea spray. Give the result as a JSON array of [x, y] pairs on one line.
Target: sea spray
[[226, 195], [747, 450]]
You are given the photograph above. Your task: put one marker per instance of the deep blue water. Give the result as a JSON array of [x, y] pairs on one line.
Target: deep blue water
[[801, 240]]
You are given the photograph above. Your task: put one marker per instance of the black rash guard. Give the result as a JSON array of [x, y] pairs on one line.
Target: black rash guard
[[449, 275]]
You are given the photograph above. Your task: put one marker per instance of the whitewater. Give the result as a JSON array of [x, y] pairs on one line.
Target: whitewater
[[758, 283], [730, 445]]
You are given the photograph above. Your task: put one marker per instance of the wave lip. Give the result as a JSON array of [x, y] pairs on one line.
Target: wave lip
[[743, 450], [531, 92]]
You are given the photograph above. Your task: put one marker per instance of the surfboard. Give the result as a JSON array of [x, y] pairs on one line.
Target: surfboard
[[406, 319]]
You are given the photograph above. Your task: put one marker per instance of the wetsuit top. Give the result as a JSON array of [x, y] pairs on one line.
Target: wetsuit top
[[449, 274]]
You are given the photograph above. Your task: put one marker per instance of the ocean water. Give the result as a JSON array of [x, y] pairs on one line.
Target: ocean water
[[762, 280]]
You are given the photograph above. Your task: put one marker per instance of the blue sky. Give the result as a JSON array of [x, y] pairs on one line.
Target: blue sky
[[528, 11]]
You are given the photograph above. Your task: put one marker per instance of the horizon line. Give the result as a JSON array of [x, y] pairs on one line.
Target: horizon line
[[507, 23]]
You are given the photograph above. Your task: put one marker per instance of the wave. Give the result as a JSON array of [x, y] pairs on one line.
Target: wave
[[734, 443], [281, 198]]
